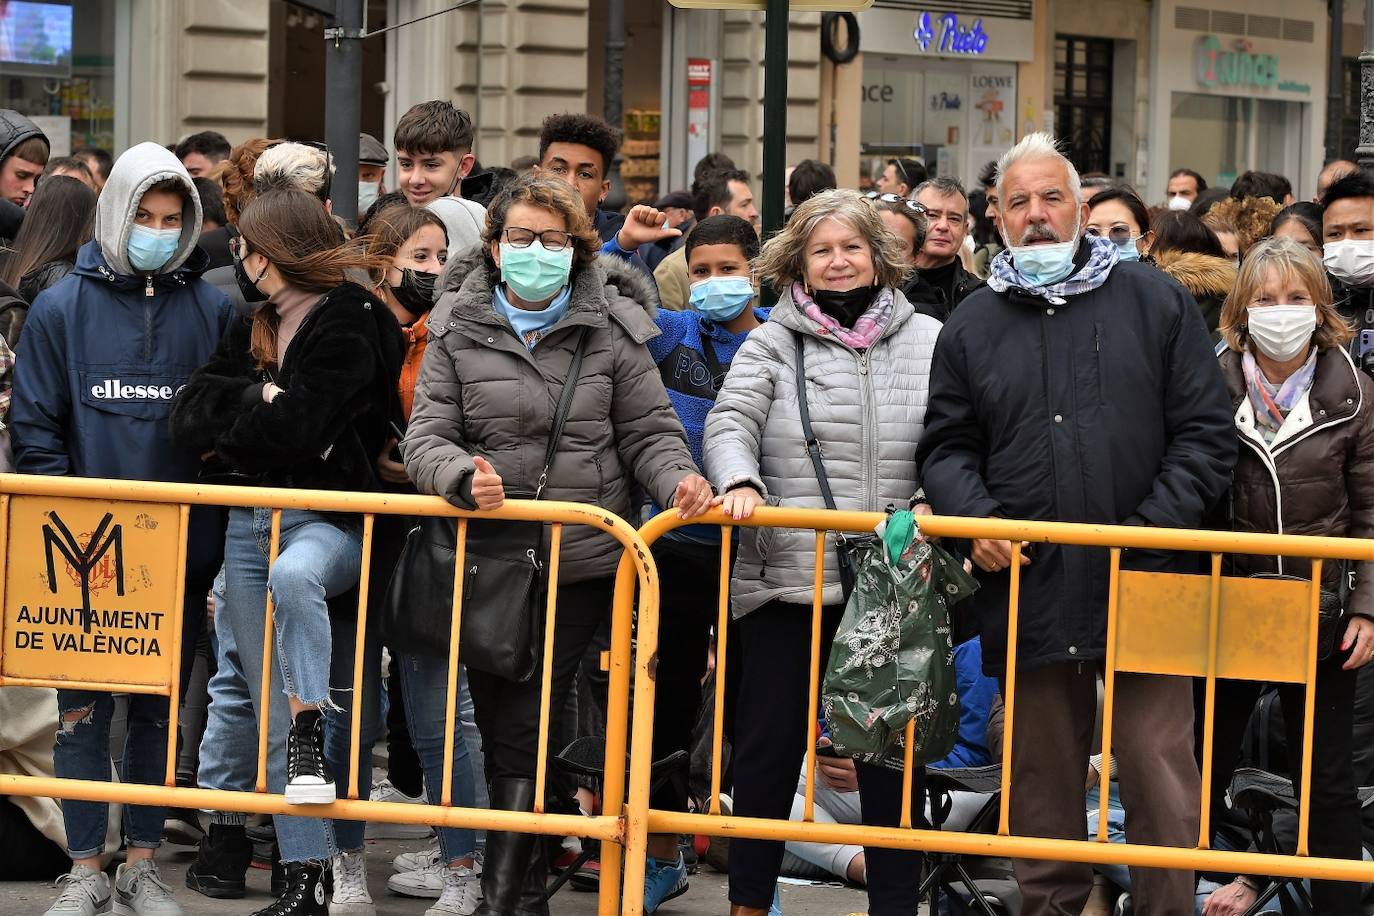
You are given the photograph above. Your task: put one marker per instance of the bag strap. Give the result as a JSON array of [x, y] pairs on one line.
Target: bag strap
[[560, 415], [713, 364], [813, 447]]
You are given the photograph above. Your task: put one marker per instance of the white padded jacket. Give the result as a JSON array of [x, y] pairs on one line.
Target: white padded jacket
[[867, 411]]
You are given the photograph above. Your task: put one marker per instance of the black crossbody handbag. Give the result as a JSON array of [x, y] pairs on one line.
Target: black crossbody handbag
[[1330, 610], [504, 580], [846, 545]]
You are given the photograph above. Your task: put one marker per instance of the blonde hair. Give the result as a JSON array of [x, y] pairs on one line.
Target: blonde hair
[[295, 166], [1292, 261], [782, 261]]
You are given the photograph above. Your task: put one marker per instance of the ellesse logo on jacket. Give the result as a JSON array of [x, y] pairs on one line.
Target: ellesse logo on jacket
[[115, 390]]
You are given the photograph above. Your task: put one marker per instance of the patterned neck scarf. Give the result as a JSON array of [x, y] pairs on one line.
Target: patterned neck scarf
[[1272, 403], [867, 329], [1102, 257]]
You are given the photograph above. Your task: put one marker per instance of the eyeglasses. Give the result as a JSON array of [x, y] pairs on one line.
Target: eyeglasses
[[906, 179], [1119, 235], [238, 247], [890, 198], [551, 239]]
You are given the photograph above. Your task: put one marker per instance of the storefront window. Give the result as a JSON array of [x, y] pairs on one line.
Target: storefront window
[[954, 115], [1223, 136], [70, 95]]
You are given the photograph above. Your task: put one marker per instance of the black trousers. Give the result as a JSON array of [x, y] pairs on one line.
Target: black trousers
[[507, 713], [1334, 829], [689, 605], [770, 731]]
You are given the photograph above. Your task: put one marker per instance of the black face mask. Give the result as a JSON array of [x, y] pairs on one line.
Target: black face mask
[[845, 306], [251, 294], [416, 291]]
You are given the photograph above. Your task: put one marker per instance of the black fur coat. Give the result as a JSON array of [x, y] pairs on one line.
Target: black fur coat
[[331, 421]]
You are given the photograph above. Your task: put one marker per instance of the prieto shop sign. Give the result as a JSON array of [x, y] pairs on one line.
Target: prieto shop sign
[[1239, 67], [945, 33]]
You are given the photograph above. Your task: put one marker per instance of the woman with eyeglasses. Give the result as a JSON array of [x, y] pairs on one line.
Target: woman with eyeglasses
[[1118, 214], [296, 396], [503, 339]]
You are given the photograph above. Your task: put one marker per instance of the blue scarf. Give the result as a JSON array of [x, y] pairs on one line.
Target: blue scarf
[[1103, 255]]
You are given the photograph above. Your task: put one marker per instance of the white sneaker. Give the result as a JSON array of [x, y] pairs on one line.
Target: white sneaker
[[384, 791], [140, 891], [427, 882], [414, 861], [350, 886], [85, 892], [462, 893]]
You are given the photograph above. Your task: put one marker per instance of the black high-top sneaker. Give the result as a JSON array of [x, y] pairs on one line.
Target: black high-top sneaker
[[307, 775], [304, 895], [221, 862]]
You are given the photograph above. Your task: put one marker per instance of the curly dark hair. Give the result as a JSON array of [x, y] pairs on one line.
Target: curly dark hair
[[549, 194], [584, 129]]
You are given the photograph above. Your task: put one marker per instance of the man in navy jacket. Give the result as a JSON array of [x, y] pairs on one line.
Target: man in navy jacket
[[1075, 388], [102, 356]]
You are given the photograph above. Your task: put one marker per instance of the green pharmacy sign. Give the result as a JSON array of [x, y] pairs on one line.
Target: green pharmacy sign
[[1238, 68]]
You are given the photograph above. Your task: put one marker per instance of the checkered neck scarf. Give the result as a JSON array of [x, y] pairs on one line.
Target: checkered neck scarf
[[1103, 255]]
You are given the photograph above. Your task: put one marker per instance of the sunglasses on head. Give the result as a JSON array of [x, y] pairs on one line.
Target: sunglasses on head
[[890, 198]]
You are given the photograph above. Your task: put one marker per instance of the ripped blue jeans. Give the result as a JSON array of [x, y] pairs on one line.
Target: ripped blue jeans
[[83, 752]]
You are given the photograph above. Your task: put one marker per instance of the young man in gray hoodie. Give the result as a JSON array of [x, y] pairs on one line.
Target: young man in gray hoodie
[[102, 355]]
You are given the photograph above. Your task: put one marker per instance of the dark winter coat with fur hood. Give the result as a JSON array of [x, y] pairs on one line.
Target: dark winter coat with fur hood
[[1207, 277], [331, 421], [481, 392]]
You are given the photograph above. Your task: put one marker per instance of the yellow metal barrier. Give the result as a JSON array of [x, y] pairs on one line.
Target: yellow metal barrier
[[1157, 624], [69, 543]]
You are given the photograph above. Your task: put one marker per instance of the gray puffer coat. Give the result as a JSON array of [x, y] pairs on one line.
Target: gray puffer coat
[[481, 392], [867, 411]]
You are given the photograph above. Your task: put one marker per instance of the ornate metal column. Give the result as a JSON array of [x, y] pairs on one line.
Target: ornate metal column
[[1365, 152]]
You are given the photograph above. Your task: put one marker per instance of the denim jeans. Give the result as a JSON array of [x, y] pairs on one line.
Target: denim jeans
[[83, 752], [319, 558], [424, 683], [82, 748]]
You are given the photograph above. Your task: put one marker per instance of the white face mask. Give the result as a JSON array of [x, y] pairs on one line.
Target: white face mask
[[1350, 260], [1282, 332], [1180, 202]]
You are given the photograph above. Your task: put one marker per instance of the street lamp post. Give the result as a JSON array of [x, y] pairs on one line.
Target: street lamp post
[[613, 98], [1365, 152]]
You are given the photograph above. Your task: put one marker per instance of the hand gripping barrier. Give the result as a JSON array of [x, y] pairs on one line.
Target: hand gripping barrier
[[1199, 626], [92, 593]]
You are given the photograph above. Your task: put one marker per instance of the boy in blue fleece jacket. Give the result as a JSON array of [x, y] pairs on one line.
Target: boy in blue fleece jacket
[[693, 353]]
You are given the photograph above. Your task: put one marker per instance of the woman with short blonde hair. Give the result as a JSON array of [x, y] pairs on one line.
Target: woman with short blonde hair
[[1304, 418], [844, 339]]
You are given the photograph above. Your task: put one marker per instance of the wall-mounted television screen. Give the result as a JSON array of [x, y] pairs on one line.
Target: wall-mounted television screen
[[35, 38]]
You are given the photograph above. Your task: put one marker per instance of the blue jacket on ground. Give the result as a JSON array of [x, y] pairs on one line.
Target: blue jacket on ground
[[104, 351], [976, 693]]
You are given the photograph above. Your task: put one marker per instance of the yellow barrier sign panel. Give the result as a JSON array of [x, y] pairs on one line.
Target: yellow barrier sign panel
[[91, 590]]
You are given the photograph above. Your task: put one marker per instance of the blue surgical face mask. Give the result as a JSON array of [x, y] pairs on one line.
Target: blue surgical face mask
[[534, 273], [721, 299], [368, 192], [1128, 251], [149, 249], [1045, 264]]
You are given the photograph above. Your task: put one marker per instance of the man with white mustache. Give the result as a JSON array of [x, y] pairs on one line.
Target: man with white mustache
[[1078, 388]]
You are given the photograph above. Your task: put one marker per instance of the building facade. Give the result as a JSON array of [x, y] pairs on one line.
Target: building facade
[[1133, 88]]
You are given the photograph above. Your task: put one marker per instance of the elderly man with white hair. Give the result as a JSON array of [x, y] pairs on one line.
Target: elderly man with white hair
[[1078, 388]]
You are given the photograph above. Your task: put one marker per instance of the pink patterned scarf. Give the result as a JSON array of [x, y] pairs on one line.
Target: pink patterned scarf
[[867, 329]]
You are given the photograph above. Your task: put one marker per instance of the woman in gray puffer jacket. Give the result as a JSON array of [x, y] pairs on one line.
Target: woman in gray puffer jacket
[[866, 362], [502, 339]]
